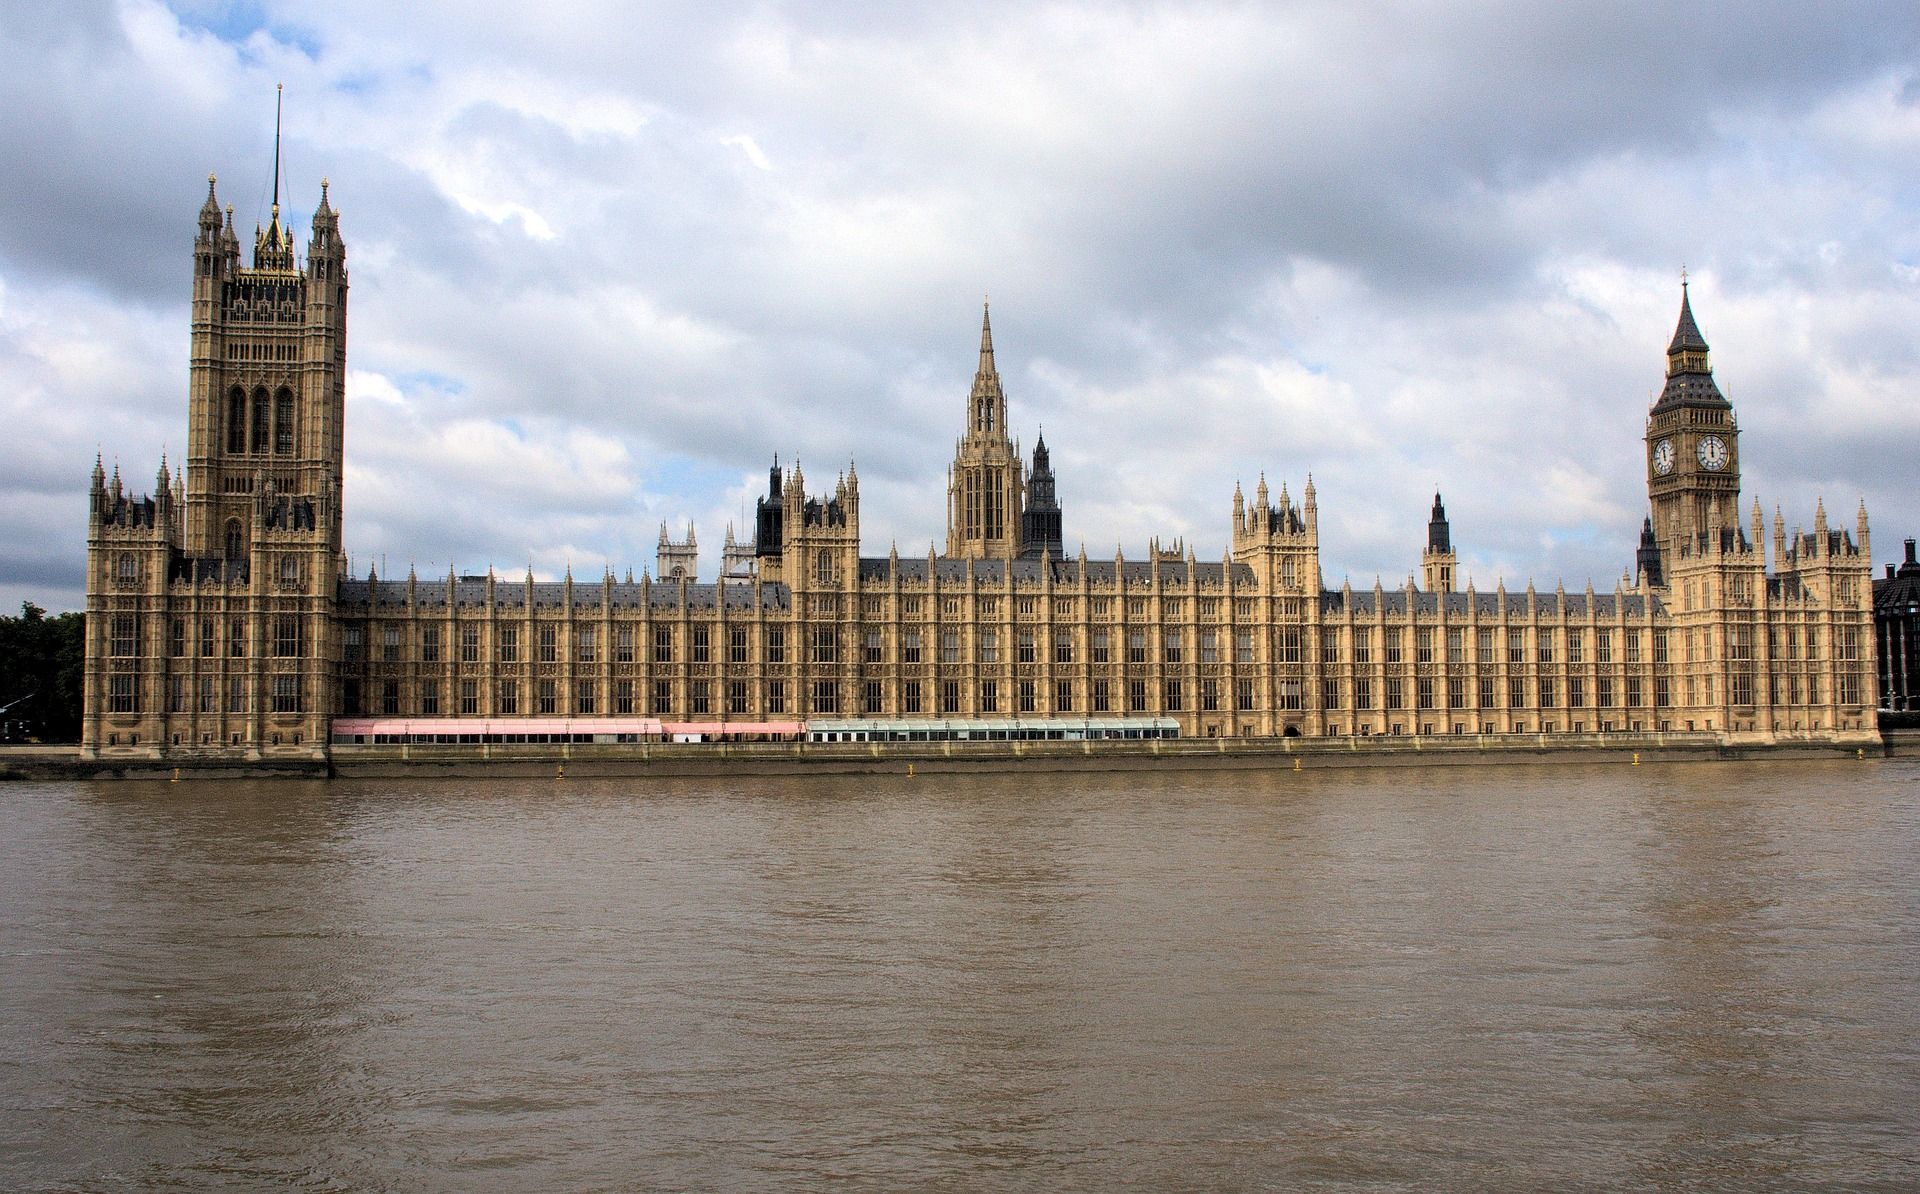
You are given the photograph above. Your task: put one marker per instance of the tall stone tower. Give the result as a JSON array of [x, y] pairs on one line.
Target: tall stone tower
[[1693, 447], [267, 394], [1438, 564], [986, 485], [218, 637]]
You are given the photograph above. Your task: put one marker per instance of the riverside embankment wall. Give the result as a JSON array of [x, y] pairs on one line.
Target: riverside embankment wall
[[854, 758]]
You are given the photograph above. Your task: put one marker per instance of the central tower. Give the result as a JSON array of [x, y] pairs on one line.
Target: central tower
[[986, 483]]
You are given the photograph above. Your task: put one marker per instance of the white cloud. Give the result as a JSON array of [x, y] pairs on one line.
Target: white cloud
[[751, 148]]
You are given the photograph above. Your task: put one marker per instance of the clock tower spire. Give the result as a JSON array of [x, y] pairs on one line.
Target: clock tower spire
[[1693, 454]]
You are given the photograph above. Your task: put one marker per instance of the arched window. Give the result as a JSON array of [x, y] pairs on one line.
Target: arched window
[[129, 571], [236, 547], [283, 423], [289, 570], [259, 438], [823, 568], [236, 421]]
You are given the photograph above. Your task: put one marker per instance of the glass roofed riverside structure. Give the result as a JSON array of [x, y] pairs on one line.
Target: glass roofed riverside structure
[[223, 624]]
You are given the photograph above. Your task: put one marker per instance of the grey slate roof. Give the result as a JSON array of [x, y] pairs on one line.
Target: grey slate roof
[[547, 594], [1691, 389], [469, 592], [1063, 572], [1394, 602]]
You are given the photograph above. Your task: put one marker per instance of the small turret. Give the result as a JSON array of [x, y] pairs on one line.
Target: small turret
[[677, 560], [768, 515], [1438, 563], [1647, 560], [210, 217], [1041, 536]]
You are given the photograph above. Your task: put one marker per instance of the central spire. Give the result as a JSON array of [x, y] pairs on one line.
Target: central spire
[[987, 485], [986, 340], [987, 405]]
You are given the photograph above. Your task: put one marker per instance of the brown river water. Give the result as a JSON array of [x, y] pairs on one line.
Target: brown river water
[[1685, 976]]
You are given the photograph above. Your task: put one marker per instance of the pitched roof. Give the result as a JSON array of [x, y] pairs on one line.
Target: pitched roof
[[1686, 336]]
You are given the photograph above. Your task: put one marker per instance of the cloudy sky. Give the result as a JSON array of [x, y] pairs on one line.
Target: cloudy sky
[[609, 258]]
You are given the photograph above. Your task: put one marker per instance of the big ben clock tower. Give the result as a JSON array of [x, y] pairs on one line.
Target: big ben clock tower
[[1693, 445]]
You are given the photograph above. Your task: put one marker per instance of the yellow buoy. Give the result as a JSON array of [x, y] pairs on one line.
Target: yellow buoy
[[1636, 758], [909, 770]]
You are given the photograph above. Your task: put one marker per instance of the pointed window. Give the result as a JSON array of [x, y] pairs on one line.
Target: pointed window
[[283, 423], [235, 547], [236, 421], [259, 438]]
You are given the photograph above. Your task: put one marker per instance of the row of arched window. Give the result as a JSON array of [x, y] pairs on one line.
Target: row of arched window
[[258, 424]]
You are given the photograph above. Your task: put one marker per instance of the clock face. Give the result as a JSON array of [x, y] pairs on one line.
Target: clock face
[[1713, 453], [1663, 457]]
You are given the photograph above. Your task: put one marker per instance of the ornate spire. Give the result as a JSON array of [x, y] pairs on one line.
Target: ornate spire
[[278, 90], [986, 339], [1439, 534], [987, 405], [210, 213], [1689, 371], [1686, 335], [273, 247]]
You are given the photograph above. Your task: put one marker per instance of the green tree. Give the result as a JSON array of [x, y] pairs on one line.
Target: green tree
[[42, 662]]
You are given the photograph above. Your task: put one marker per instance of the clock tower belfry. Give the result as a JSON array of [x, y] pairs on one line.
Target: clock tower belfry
[[1693, 446]]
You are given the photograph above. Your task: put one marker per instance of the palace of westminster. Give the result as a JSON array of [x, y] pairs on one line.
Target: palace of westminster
[[222, 622]]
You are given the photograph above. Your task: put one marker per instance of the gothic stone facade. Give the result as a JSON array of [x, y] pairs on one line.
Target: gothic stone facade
[[222, 622]]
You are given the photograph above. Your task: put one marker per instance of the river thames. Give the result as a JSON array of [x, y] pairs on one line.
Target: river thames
[[1677, 976]]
